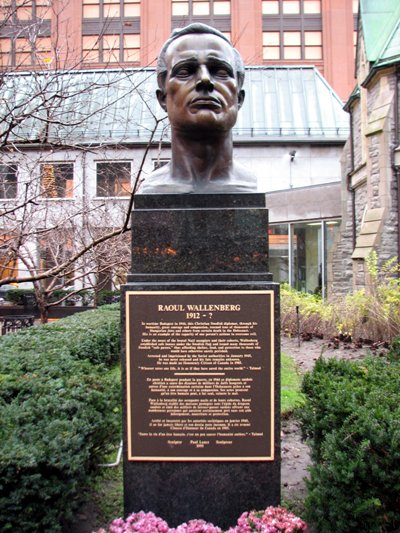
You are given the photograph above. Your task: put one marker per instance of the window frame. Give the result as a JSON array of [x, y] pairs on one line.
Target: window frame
[[283, 23], [57, 187], [103, 16], [218, 20], [115, 196], [282, 46], [104, 28], [3, 184]]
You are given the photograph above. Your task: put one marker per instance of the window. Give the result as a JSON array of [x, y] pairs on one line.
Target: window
[[200, 8], [91, 49], [292, 45], [131, 48], [312, 45], [110, 9], [300, 253], [113, 179], [8, 182], [270, 7], [111, 48], [292, 30], [5, 52], [23, 51], [57, 180], [158, 163], [8, 259], [23, 10], [311, 7], [107, 35], [278, 236], [29, 10], [271, 45], [291, 7], [307, 257]]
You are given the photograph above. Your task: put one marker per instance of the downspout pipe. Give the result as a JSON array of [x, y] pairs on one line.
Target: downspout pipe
[[350, 188]]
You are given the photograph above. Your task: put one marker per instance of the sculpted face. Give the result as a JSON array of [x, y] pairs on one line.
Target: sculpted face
[[201, 93]]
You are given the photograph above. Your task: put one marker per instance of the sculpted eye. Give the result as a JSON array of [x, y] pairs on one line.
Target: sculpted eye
[[183, 72], [222, 71]]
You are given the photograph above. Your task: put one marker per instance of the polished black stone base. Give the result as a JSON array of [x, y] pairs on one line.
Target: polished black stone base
[[201, 243]]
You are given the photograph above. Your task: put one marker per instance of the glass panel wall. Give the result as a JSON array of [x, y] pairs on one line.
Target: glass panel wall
[[307, 257], [299, 254], [279, 252]]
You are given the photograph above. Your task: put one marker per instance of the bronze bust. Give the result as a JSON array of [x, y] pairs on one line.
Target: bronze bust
[[200, 77]]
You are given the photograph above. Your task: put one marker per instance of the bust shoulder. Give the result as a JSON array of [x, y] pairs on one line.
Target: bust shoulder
[[161, 181]]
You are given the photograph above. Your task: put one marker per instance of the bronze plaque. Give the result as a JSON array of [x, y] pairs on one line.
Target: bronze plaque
[[200, 375]]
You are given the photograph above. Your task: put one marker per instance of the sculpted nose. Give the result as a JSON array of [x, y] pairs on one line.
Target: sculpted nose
[[204, 79]]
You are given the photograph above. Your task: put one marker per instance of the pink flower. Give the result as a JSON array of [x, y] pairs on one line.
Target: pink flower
[[196, 526], [272, 520]]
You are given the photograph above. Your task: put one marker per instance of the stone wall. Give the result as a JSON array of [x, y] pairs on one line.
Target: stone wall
[[339, 269], [372, 181]]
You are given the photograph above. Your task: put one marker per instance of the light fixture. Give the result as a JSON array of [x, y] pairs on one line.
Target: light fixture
[[292, 154]]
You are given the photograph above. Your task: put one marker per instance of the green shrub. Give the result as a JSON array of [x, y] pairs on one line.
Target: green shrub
[[16, 296], [394, 352], [59, 415], [92, 335], [351, 419], [105, 297]]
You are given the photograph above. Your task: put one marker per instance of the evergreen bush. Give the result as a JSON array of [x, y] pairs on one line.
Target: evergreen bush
[[16, 296], [351, 419], [59, 406]]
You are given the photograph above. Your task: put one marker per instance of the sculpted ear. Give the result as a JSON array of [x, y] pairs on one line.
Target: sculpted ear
[[241, 98], [161, 97]]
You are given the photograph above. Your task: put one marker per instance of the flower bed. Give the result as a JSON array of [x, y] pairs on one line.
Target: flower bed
[[272, 520]]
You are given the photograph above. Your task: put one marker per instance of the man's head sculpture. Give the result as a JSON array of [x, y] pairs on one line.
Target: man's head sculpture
[[200, 77]]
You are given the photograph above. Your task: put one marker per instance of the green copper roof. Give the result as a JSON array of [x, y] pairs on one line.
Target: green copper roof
[[117, 106], [380, 21]]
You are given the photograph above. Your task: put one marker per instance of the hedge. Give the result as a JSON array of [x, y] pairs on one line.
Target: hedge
[[351, 419], [59, 406]]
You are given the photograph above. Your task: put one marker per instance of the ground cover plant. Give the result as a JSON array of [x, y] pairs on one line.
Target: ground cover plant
[[58, 403], [351, 419], [291, 396], [370, 315]]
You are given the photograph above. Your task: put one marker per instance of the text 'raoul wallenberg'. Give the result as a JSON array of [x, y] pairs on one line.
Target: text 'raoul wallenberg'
[[198, 307]]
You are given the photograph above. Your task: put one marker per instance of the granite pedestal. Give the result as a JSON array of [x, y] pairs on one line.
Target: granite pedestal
[[210, 251]]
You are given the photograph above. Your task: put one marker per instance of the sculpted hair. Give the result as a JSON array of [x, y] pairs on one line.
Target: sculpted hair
[[188, 30]]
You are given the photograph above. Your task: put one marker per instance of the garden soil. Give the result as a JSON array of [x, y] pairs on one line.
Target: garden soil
[[295, 453]]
